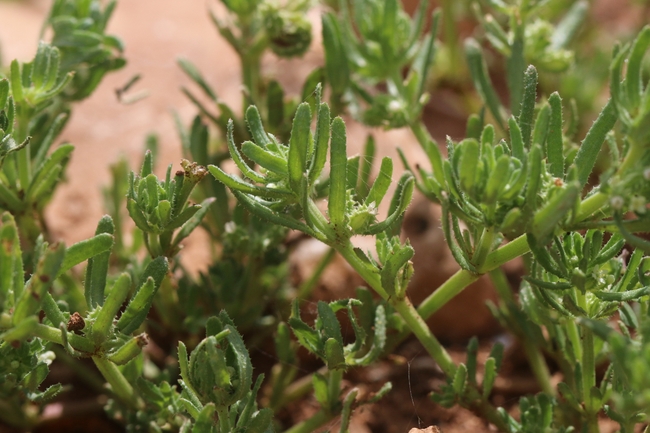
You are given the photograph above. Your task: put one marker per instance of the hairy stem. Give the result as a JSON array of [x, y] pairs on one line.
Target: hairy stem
[[23, 155], [418, 326], [120, 386], [404, 307], [483, 247], [52, 334]]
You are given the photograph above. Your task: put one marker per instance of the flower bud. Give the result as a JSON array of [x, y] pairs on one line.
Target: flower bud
[[289, 32]]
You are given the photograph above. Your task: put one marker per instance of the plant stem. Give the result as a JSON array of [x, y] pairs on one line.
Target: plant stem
[[462, 278], [334, 388], [574, 336], [414, 321], [533, 353], [422, 134], [452, 41], [634, 155], [308, 286], [298, 388], [120, 386], [250, 61], [54, 335], [588, 367], [591, 205], [450, 288], [310, 425], [483, 247], [250, 72], [501, 285], [539, 367], [153, 243], [589, 378], [513, 249], [224, 422], [80, 370], [24, 155]]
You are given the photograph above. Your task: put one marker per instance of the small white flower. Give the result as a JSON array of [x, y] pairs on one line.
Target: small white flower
[[617, 202], [638, 204], [646, 174], [230, 227], [394, 105], [47, 357]]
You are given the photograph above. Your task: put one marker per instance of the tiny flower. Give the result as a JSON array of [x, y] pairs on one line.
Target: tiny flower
[[617, 202], [638, 204], [646, 174], [394, 105]]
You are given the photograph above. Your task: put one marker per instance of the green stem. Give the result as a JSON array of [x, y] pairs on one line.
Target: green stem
[[483, 247], [250, 56], [502, 285], [23, 155], [281, 376], [591, 205], [224, 421], [452, 40], [54, 335], [398, 81], [312, 424], [589, 378], [414, 321], [153, 244], [533, 353], [409, 314], [298, 388], [308, 286], [419, 327], [251, 78], [539, 366], [513, 249], [334, 388], [574, 336], [462, 278], [452, 287], [422, 134], [588, 362], [634, 156], [120, 386], [80, 370]]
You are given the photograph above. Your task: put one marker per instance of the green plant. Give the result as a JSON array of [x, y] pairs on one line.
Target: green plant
[[518, 188]]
